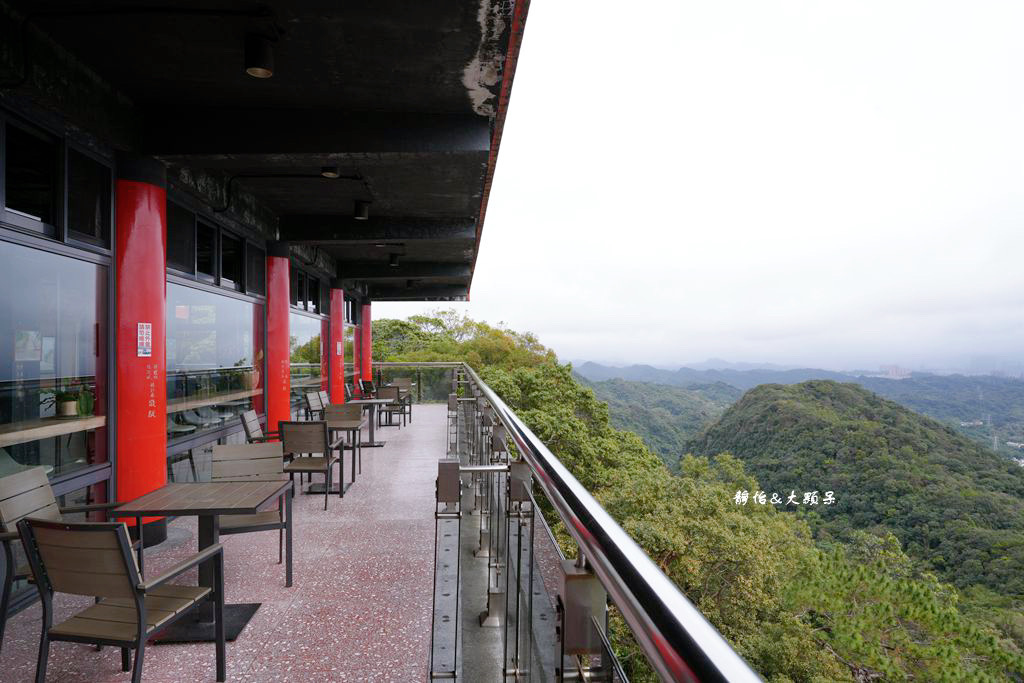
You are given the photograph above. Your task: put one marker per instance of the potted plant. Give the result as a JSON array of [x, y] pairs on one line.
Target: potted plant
[[86, 401], [67, 403]]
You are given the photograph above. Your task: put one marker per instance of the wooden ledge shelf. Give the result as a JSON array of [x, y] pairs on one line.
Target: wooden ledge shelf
[[47, 427]]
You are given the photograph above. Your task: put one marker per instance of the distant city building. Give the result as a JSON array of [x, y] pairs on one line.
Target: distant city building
[[894, 371], [972, 423], [1015, 444]]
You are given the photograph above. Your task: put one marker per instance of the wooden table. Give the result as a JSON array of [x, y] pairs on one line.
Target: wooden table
[[340, 426], [207, 501], [371, 405]]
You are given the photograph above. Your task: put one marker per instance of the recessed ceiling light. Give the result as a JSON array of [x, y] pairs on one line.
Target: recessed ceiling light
[[329, 171], [362, 210], [259, 56]]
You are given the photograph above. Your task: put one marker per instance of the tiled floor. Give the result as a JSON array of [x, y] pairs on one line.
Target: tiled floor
[[359, 609]]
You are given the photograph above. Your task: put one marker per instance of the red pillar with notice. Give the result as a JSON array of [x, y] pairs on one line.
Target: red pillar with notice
[[336, 347], [278, 350], [366, 342], [140, 304]]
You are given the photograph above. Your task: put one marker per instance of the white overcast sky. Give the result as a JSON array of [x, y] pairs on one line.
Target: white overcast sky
[[828, 183]]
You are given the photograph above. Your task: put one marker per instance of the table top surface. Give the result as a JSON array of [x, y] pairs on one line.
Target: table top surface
[[207, 498], [344, 424], [367, 401]]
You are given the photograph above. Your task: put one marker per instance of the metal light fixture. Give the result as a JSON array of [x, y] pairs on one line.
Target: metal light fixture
[[393, 260], [259, 56], [330, 172], [362, 210]]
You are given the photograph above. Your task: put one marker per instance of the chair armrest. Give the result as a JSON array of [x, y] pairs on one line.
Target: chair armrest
[[182, 567], [7, 536], [337, 442], [91, 507]]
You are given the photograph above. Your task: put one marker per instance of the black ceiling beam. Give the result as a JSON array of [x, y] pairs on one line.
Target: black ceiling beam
[[325, 230], [198, 132], [420, 293], [375, 270]]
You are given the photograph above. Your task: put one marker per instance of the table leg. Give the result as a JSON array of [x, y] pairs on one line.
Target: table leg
[[372, 443], [201, 627]]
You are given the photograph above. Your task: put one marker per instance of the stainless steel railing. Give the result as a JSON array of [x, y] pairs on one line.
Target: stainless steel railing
[[679, 642]]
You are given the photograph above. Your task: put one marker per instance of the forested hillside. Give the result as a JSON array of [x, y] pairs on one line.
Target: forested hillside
[[992, 406], [666, 417], [798, 610]]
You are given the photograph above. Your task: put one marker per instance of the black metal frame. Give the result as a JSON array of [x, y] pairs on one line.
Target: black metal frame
[[46, 591]]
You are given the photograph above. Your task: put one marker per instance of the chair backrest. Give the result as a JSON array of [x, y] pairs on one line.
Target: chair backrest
[[348, 391], [314, 402], [89, 558], [304, 437], [388, 392], [325, 400], [26, 494], [346, 411], [402, 382], [367, 387], [251, 425], [248, 462]]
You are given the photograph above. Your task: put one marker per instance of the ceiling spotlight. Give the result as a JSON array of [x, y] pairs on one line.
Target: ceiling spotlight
[[330, 171], [393, 260], [362, 210], [259, 56], [380, 246]]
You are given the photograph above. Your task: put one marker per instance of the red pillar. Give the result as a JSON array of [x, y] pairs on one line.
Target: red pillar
[[140, 307], [336, 346], [366, 343], [279, 380]]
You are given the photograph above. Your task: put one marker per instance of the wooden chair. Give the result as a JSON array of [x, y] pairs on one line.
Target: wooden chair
[[367, 388], [95, 559], [404, 385], [314, 406], [24, 494], [325, 399], [348, 391], [257, 462], [253, 430], [351, 414], [300, 438], [396, 407]]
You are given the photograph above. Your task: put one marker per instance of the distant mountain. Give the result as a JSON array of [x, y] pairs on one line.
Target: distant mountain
[[664, 416], [720, 364], [741, 379], [954, 504]]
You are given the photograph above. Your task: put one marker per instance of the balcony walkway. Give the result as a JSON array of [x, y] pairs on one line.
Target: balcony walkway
[[359, 609]]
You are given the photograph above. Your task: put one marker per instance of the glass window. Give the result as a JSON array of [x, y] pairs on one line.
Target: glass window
[[181, 239], [88, 198], [206, 252], [31, 176], [308, 357], [231, 263], [350, 340], [256, 274], [52, 361], [313, 296], [214, 360]]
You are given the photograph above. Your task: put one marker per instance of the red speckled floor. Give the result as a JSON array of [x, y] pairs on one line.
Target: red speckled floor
[[359, 609]]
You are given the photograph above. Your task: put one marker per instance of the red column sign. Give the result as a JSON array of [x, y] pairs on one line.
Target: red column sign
[[366, 343], [279, 384], [336, 347], [140, 300]]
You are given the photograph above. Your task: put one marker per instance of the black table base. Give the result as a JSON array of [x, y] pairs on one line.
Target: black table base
[[318, 487], [372, 444], [186, 630]]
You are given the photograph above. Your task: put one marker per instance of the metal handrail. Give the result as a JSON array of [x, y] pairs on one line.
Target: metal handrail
[[678, 641]]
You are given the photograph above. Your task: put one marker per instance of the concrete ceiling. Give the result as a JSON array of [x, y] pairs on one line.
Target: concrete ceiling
[[406, 95]]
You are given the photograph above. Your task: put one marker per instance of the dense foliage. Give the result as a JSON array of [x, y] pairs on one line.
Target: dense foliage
[[949, 501], [795, 609], [665, 416]]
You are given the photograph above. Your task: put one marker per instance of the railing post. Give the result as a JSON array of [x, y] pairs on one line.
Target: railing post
[[445, 634], [582, 602]]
